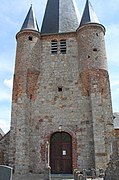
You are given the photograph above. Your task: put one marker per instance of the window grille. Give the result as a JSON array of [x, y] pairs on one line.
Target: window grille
[[54, 46], [63, 46]]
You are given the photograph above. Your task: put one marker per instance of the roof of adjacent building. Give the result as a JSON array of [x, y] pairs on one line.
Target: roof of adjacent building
[[89, 15], [116, 120], [30, 21], [60, 16], [1, 132]]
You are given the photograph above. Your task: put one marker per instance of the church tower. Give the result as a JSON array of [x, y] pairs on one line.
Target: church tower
[[61, 105]]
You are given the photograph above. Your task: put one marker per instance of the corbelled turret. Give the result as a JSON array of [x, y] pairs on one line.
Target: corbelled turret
[[60, 16]]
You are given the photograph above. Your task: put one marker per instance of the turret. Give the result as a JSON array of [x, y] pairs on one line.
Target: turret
[[91, 34], [27, 60], [94, 83], [27, 70]]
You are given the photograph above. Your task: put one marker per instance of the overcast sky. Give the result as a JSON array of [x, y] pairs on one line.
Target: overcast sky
[[12, 15]]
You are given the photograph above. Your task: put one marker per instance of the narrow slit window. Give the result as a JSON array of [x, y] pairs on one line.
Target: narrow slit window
[[54, 46], [63, 46], [95, 49], [60, 89], [30, 38]]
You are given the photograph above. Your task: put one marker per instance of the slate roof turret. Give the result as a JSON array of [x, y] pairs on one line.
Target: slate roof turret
[[30, 21], [89, 15]]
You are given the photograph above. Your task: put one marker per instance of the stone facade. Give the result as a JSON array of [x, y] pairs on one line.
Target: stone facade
[[60, 92], [82, 108], [4, 149], [112, 171], [94, 80]]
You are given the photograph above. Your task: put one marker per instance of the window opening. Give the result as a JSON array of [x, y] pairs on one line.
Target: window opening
[[54, 46], [60, 89], [95, 49], [63, 46], [30, 38]]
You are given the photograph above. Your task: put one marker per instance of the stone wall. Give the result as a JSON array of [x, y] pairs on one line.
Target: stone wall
[[94, 80], [24, 90], [1, 136], [112, 171], [4, 149], [51, 107], [82, 106], [117, 133]]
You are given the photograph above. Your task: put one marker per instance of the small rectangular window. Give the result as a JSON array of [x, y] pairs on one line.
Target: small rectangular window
[[63, 46], [95, 49], [30, 38], [60, 89], [64, 153], [54, 47]]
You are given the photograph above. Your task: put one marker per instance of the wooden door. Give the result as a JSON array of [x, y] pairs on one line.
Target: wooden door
[[61, 153]]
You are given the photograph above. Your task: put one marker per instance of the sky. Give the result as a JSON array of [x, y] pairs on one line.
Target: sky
[[12, 15]]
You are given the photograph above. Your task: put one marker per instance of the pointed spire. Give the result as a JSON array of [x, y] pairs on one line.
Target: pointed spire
[[89, 15], [60, 16], [30, 21]]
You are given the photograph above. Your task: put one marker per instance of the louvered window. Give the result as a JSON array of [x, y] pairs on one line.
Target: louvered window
[[54, 46], [63, 46]]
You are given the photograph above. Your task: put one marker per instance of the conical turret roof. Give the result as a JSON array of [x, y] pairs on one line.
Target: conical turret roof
[[89, 15], [30, 21], [60, 16]]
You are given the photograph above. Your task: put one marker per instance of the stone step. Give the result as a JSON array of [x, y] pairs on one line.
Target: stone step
[[53, 177], [62, 177], [41, 177], [29, 177]]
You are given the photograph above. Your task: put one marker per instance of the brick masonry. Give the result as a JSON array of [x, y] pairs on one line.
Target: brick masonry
[[83, 108]]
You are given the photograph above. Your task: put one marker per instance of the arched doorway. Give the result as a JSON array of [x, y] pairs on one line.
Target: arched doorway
[[61, 153]]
